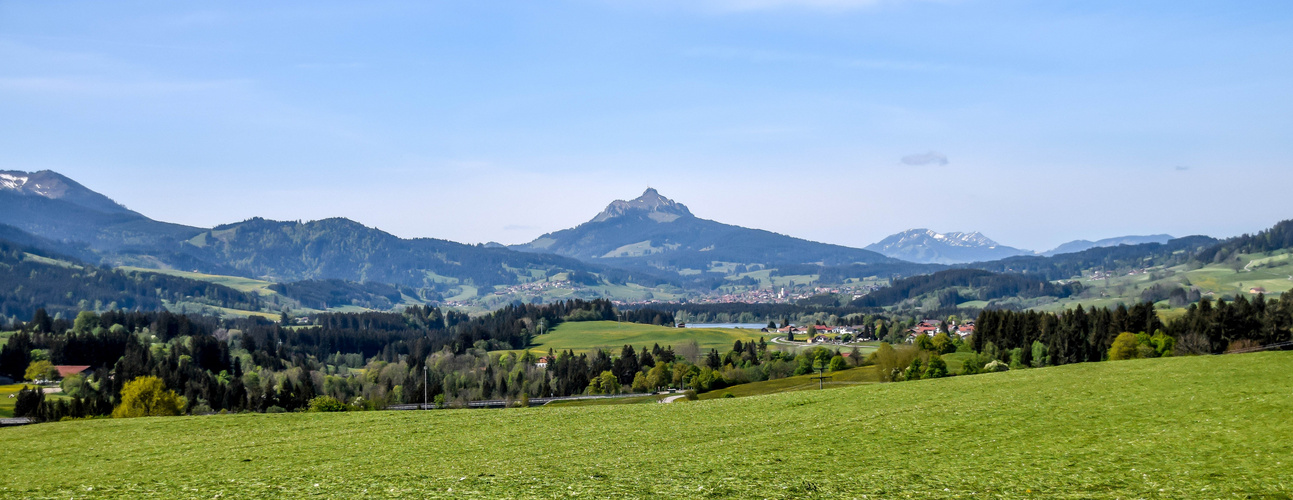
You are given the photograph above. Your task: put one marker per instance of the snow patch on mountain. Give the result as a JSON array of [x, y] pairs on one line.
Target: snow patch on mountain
[[928, 246]]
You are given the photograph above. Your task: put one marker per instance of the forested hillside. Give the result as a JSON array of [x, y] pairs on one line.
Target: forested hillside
[[30, 281], [255, 364], [954, 286], [1066, 266], [1277, 237]]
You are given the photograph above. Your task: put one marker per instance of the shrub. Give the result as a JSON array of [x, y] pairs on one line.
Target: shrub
[[838, 363], [691, 395], [1017, 358], [1124, 347], [148, 397], [995, 366], [1040, 358], [201, 409], [728, 395], [275, 409], [40, 370], [327, 404], [937, 367], [1242, 345]]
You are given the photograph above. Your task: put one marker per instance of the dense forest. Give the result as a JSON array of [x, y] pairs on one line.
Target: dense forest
[[29, 281], [1069, 265], [256, 365], [1080, 335], [325, 294], [978, 284], [1277, 237]]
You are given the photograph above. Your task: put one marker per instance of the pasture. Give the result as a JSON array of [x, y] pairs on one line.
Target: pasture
[[6, 404], [583, 336], [1196, 427], [235, 282], [842, 378]]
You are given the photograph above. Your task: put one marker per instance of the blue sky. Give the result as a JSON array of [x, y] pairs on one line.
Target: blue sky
[[835, 120]]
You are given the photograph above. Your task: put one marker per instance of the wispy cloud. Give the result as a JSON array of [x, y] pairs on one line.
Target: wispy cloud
[[1182, 168], [930, 158]]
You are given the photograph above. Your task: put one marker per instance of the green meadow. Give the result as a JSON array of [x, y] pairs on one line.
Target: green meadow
[[235, 282], [6, 404], [842, 378], [1193, 427], [583, 336]]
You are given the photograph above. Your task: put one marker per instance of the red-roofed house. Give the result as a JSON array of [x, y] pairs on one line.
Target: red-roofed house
[[65, 370]]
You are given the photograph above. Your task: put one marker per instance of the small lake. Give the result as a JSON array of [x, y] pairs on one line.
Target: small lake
[[747, 326]]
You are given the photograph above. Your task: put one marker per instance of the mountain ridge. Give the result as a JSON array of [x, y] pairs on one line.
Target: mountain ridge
[[926, 246], [654, 231], [1080, 245]]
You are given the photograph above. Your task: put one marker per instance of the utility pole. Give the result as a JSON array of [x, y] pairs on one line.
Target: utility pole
[[820, 377], [424, 387]]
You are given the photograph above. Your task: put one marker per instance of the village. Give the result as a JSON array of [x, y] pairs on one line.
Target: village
[[844, 335]]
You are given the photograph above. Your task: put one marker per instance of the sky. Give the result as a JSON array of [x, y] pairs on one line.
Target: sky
[[840, 121]]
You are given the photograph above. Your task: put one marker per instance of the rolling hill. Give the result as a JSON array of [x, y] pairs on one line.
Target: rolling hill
[[1080, 245]]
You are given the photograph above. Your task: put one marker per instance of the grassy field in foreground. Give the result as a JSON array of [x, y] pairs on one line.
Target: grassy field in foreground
[[1197, 427], [587, 335]]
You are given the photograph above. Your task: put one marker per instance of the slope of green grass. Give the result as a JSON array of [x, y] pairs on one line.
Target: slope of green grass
[[587, 335], [1201, 427], [235, 282], [842, 378]]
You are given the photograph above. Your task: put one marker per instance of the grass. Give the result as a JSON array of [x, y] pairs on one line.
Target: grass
[[235, 282], [1200, 427], [223, 311], [6, 404], [842, 378], [585, 336], [650, 398], [1270, 271]]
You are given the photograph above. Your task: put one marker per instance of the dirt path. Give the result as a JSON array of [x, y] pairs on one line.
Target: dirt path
[[671, 399]]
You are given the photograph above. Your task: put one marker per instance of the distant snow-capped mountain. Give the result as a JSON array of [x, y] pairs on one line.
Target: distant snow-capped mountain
[[55, 186], [931, 247]]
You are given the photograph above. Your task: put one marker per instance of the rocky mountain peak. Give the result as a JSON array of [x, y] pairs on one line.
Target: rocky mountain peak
[[657, 207]]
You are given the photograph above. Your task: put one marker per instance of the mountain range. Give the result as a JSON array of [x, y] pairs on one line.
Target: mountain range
[[650, 241], [930, 247], [1080, 245], [656, 232]]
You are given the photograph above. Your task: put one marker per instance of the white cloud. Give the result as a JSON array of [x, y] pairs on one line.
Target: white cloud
[[930, 158]]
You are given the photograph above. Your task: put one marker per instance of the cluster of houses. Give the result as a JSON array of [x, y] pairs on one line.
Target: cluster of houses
[[821, 332], [932, 327]]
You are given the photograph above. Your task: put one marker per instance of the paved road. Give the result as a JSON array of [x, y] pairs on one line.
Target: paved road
[[671, 399]]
